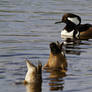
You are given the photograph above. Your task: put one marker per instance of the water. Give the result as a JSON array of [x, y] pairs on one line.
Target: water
[[26, 29]]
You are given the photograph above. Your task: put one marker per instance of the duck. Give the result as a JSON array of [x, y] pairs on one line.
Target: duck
[[57, 59], [74, 28], [34, 73]]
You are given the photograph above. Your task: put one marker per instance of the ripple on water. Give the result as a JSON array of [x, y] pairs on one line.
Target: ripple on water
[[27, 28]]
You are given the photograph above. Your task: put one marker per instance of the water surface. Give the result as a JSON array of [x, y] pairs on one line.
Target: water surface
[[26, 29]]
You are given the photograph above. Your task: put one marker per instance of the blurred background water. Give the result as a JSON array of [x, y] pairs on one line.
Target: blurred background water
[[26, 29]]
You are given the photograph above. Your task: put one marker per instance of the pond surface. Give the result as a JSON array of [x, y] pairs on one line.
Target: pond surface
[[26, 30]]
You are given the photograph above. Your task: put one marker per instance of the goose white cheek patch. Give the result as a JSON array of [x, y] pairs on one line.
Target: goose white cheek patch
[[74, 20]]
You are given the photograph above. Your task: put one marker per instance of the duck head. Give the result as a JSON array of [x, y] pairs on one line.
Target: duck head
[[70, 18]]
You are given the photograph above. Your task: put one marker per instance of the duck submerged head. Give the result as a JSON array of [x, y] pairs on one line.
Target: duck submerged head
[[33, 74]]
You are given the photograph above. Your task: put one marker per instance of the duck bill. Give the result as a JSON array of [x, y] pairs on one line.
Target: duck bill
[[58, 22]]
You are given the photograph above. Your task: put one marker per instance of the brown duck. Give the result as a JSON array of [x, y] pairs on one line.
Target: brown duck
[[57, 58]]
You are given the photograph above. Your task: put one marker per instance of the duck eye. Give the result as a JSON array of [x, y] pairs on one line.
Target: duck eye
[[74, 20]]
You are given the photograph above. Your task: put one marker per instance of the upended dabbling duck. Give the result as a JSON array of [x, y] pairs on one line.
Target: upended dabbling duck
[[56, 60], [74, 28], [33, 78], [33, 74]]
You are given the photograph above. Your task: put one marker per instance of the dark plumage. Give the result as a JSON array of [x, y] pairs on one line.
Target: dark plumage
[[73, 23]]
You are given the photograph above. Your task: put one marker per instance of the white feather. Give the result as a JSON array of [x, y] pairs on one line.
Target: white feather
[[74, 20], [77, 35], [67, 34], [31, 73]]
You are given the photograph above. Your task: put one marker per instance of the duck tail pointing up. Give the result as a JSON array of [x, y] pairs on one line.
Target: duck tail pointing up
[[29, 65]]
